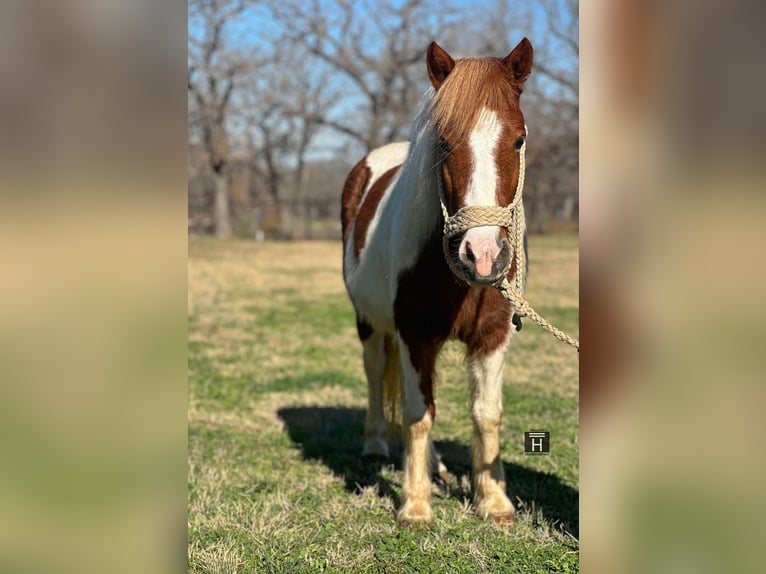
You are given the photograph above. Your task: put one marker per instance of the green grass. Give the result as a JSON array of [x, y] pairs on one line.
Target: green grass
[[277, 399]]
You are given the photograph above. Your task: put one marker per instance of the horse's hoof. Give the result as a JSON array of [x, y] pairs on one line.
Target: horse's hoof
[[415, 515], [375, 449], [441, 473], [497, 509], [503, 518]]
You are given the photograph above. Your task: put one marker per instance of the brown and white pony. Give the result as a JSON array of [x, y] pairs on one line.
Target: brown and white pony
[[464, 147]]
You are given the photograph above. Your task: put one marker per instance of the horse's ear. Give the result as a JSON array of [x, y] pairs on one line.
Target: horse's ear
[[439, 63], [519, 61]]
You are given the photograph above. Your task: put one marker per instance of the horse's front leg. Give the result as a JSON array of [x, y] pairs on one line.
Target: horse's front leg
[[485, 371], [417, 419]]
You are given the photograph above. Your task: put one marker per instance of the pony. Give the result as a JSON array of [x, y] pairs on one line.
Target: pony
[[463, 151]]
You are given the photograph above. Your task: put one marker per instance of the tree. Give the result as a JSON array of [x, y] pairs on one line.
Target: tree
[[212, 76], [550, 101], [268, 79], [377, 49], [280, 108]]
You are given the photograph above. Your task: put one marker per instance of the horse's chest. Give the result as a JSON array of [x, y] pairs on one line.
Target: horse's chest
[[431, 303]]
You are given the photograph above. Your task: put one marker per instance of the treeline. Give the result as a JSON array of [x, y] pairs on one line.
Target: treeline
[[286, 95]]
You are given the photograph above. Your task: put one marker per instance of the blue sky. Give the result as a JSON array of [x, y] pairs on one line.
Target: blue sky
[[255, 32], [256, 27]]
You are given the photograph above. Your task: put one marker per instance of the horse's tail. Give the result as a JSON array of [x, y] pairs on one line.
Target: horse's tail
[[392, 388]]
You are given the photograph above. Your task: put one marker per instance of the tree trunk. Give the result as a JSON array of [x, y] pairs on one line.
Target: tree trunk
[[569, 205], [300, 196], [222, 217]]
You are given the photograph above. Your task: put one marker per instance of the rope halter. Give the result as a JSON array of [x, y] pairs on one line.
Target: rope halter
[[510, 217]]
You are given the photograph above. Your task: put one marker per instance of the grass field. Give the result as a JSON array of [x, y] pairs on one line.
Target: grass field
[[277, 397]]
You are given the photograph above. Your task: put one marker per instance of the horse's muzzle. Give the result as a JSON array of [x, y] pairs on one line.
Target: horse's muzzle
[[481, 268]]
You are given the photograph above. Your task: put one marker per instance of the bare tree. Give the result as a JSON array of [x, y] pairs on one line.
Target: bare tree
[[308, 109], [563, 26], [550, 99], [557, 168], [281, 108], [212, 76], [350, 73], [377, 49]]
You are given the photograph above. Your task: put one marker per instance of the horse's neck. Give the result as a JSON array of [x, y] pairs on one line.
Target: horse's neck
[[417, 213]]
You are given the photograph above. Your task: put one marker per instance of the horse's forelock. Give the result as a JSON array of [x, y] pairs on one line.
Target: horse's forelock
[[473, 85]]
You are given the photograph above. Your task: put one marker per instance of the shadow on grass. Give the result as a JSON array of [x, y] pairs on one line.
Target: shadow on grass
[[558, 502], [334, 436]]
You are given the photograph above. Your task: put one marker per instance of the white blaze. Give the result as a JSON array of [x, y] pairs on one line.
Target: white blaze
[[483, 182], [482, 188]]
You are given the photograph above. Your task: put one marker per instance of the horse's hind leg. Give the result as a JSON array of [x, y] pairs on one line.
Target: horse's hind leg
[[438, 468], [375, 358], [486, 376]]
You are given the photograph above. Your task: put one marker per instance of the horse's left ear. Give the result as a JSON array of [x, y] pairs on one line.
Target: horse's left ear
[[439, 63], [519, 61]]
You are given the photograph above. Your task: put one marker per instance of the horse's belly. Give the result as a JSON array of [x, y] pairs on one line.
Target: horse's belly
[[370, 291]]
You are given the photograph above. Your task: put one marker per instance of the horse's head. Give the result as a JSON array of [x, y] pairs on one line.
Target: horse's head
[[479, 130]]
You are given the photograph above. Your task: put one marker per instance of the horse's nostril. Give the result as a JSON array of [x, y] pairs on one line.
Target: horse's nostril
[[469, 252]]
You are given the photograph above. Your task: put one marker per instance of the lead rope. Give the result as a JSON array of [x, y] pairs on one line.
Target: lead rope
[[511, 218]]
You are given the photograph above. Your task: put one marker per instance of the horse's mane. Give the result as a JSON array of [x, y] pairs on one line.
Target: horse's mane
[[473, 84]]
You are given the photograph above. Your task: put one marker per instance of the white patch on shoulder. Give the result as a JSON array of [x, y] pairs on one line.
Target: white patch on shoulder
[[367, 277], [381, 159], [482, 184], [373, 225]]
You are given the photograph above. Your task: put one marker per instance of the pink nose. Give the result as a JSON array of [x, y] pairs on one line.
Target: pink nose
[[482, 252]]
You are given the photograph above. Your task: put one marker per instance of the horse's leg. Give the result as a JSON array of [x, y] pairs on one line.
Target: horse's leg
[[417, 419], [438, 468], [374, 352], [485, 371]]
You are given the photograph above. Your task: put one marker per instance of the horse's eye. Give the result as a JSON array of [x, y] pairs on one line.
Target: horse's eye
[[519, 142], [444, 148]]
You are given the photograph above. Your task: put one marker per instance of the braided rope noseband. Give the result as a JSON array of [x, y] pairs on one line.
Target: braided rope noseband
[[511, 218]]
